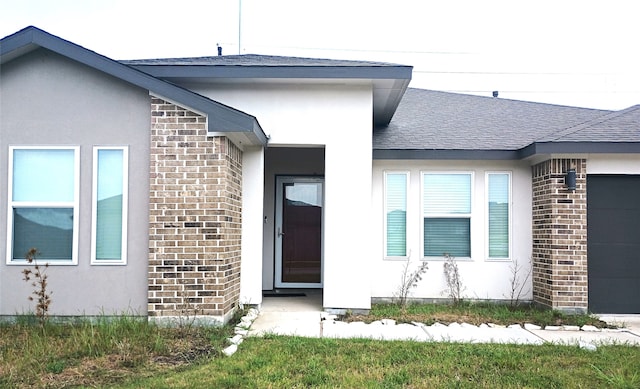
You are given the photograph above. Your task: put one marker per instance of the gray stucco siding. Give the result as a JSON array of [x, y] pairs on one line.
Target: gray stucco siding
[[47, 99]]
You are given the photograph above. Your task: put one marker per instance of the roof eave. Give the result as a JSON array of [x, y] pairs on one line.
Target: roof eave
[[294, 71], [538, 148], [445, 154], [386, 100]]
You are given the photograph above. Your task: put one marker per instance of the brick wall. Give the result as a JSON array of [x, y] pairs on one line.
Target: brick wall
[[560, 236], [194, 218]]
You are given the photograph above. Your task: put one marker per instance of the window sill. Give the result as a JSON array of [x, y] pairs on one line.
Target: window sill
[[41, 262], [443, 259]]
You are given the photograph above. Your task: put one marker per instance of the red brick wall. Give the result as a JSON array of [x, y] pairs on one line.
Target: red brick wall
[[560, 236], [195, 217]]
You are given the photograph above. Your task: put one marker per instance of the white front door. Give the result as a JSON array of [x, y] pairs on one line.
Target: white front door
[[299, 232]]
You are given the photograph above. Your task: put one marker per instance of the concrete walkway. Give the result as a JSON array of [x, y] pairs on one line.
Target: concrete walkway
[[303, 316]]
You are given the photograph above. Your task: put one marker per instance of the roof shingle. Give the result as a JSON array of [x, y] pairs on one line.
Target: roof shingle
[[256, 60], [431, 120]]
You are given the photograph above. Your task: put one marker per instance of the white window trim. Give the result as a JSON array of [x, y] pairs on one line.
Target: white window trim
[[125, 206], [75, 204], [384, 215], [486, 222], [469, 215]]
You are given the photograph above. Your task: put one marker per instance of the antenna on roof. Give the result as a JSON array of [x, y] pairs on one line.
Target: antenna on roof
[[239, 26], [219, 49]]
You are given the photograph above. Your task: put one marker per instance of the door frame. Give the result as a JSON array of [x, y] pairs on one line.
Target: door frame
[[277, 236]]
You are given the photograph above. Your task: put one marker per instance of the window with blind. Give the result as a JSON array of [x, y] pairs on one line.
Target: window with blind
[[395, 185], [43, 203], [109, 232], [499, 198], [446, 207]]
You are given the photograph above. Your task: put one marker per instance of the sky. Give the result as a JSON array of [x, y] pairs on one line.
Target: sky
[[577, 53]]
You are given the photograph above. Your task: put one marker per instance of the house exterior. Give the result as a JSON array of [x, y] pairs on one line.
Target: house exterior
[[581, 244], [156, 186]]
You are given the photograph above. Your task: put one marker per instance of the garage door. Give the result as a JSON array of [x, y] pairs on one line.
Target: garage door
[[613, 233]]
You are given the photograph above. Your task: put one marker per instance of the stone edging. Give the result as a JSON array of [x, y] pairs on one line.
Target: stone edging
[[241, 330]]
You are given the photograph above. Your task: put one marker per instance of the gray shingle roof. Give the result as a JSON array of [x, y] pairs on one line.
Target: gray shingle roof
[[619, 126], [256, 60], [431, 124]]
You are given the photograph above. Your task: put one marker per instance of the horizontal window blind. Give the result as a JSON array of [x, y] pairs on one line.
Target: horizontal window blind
[[498, 215], [109, 206], [447, 194], [396, 214], [447, 214], [447, 236]]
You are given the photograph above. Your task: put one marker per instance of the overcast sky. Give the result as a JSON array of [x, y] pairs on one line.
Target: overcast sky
[[579, 53]]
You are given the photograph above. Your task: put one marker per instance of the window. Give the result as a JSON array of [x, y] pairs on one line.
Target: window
[[499, 197], [395, 205], [43, 204], [109, 227], [446, 205]]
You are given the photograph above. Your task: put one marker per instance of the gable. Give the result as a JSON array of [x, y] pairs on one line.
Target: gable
[[221, 118], [57, 95]]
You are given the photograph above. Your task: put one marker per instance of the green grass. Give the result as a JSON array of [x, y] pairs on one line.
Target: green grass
[[129, 352], [98, 352], [289, 362]]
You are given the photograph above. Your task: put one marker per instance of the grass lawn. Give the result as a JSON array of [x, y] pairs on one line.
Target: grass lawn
[[99, 353], [289, 362], [129, 352]]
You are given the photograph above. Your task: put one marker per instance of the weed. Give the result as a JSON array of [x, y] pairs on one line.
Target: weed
[[55, 367], [477, 312], [39, 283], [453, 279], [618, 379], [409, 280], [188, 311], [517, 286]]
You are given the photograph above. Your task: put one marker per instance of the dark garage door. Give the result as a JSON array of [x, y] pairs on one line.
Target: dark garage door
[[613, 233]]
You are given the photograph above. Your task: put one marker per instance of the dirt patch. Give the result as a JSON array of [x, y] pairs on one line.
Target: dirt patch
[[117, 367]]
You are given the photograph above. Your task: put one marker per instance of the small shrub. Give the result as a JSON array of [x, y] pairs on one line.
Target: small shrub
[[39, 283]]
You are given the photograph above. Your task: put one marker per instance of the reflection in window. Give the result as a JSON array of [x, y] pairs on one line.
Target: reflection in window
[[43, 201], [109, 206]]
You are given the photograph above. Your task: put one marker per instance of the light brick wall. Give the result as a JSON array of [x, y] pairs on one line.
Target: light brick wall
[[560, 236], [195, 217]]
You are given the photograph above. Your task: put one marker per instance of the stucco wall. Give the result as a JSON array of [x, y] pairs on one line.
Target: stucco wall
[[482, 278], [613, 164], [47, 99], [337, 118]]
